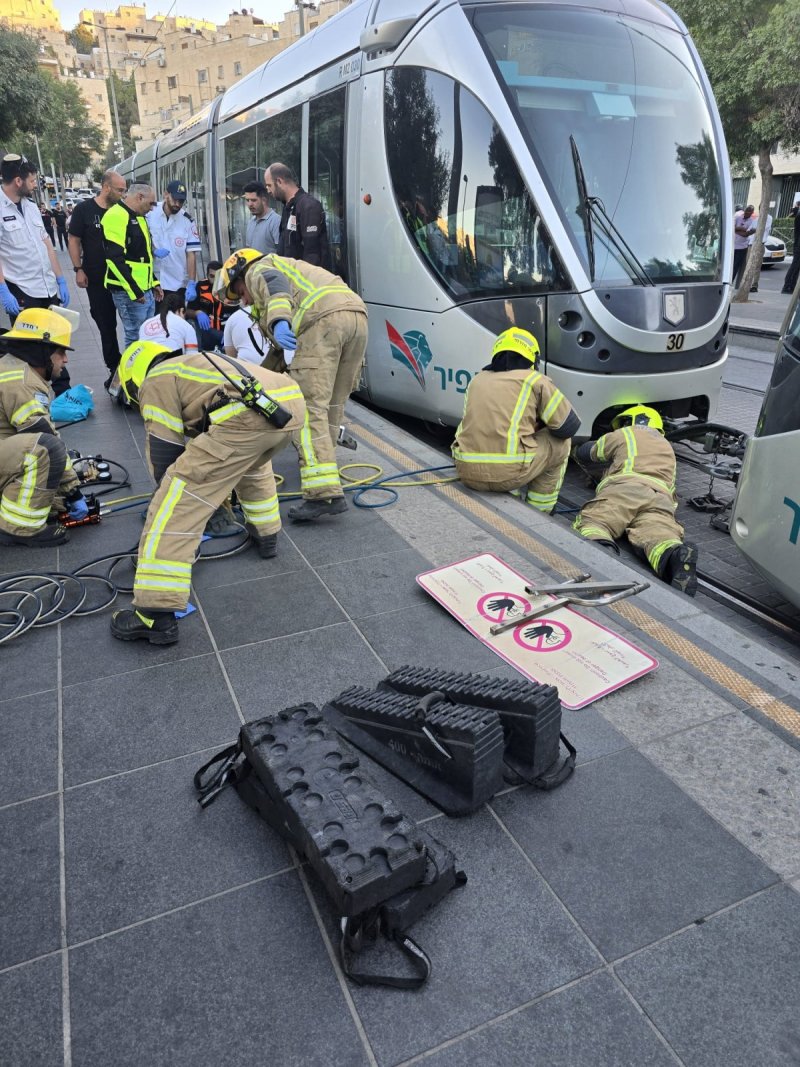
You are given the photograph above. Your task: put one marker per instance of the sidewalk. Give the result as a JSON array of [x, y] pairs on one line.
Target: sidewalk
[[763, 313]]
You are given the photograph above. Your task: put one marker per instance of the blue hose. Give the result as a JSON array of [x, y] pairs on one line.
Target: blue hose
[[381, 486]]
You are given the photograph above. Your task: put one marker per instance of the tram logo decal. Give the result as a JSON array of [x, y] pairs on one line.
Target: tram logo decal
[[411, 349], [674, 307]]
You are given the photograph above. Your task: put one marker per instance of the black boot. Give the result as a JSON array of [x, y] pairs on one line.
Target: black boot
[[310, 510], [221, 524], [680, 569], [267, 544], [157, 627], [49, 535]]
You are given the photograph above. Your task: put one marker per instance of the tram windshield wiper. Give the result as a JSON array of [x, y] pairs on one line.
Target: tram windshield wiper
[[593, 212]]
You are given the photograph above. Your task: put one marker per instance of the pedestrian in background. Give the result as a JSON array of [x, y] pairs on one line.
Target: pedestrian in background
[[176, 243], [790, 280], [88, 254], [30, 276], [264, 227], [303, 231], [129, 260], [744, 225], [60, 219], [47, 219]]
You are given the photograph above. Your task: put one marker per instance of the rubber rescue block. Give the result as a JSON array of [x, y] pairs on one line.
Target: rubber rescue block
[[360, 845]]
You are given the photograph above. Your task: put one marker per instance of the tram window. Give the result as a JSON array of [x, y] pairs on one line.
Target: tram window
[[781, 410], [326, 169], [196, 205], [247, 152], [460, 192]]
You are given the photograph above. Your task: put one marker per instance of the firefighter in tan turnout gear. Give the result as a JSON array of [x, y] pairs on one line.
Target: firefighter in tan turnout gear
[[637, 496], [37, 481], [321, 325], [516, 426], [222, 406]]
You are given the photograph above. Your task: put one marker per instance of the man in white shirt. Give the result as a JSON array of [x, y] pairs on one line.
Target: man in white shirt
[[176, 243], [30, 275], [264, 227], [244, 340], [744, 225]]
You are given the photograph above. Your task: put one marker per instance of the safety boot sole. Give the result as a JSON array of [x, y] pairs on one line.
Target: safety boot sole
[[46, 538], [310, 510], [683, 569]]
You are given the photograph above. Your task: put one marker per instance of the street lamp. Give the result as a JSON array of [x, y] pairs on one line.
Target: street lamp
[[300, 4], [118, 144]]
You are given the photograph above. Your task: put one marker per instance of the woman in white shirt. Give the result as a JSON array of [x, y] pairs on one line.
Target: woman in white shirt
[[243, 338], [169, 327]]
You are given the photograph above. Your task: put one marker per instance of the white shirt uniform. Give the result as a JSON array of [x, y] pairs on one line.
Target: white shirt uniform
[[243, 334], [179, 333], [23, 248], [179, 234]]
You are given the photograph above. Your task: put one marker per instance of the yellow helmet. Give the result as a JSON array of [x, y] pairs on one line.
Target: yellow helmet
[[232, 270], [43, 325], [520, 341], [136, 361], [638, 415]]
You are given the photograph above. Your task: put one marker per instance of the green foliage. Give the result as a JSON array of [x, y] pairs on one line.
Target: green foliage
[[66, 136], [24, 91], [128, 111], [82, 39]]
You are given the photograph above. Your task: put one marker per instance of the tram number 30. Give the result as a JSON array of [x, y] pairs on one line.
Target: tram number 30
[[675, 342]]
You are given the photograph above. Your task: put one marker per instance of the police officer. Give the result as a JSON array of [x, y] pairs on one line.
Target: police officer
[[230, 447], [637, 496], [516, 426], [30, 276], [175, 243], [36, 476], [321, 325], [129, 260], [303, 230]]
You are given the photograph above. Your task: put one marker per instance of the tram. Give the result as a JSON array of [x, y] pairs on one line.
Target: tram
[[555, 165], [765, 520]]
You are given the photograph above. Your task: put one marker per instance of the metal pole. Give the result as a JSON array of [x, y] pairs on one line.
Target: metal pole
[[39, 154], [120, 151], [300, 13]]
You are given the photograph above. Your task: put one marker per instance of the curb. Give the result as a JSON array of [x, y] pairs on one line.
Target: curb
[[754, 331]]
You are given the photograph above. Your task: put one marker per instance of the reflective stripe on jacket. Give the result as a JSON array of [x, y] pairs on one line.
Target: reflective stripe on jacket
[[636, 452], [129, 252], [289, 289]]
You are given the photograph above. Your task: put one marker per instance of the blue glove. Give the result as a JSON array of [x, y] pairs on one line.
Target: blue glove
[[161, 253], [191, 289], [202, 320], [8, 300], [63, 292], [78, 509], [284, 335]]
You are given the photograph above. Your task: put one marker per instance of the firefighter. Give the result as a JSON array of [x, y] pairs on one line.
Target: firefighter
[[321, 325], [516, 426], [637, 496], [37, 481], [230, 446]]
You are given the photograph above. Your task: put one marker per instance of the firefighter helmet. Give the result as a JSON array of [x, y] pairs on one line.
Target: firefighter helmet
[[638, 415], [522, 342], [42, 325], [136, 361], [232, 270]]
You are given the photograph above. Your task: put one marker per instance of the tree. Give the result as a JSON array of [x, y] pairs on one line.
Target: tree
[[82, 39], [66, 136], [128, 109], [24, 91], [749, 49]]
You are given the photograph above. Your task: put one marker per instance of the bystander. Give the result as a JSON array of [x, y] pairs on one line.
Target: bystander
[[303, 233], [175, 243], [264, 227]]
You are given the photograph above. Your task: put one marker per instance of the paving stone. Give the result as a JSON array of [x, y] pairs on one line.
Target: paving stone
[[268, 607], [28, 663], [117, 724], [139, 844], [28, 747], [591, 1024], [30, 1010], [89, 651], [216, 574], [495, 943], [727, 991], [747, 778], [359, 532], [245, 975], [112, 536], [375, 584], [425, 635], [630, 855], [29, 881]]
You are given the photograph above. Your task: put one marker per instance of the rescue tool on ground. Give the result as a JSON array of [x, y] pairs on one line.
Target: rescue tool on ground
[[579, 590]]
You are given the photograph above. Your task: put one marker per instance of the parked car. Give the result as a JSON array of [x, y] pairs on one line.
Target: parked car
[[85, 194], [774, 251]]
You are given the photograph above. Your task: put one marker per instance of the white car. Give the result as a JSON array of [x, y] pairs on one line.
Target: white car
[[774, 251]]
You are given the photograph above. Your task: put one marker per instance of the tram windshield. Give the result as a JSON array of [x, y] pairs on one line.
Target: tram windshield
[[625, 96], [781, 410]]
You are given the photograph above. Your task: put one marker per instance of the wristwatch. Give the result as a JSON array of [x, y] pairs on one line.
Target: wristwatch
[[76, 269]]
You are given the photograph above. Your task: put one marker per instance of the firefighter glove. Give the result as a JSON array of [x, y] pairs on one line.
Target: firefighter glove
[[202, 320], [161, 253], [78, 508], [63, 292], [191, 291], [8, 300], [284, 335]]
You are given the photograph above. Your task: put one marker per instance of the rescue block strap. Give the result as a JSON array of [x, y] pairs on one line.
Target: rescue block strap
[[555, 778], [351, 942], [223, 776]]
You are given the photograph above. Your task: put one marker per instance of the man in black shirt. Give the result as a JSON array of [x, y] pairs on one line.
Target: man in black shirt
[[47, 219], [88, 255], [60, 219], [303, 233]]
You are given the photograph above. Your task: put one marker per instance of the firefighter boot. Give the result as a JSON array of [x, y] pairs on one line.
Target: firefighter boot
[[267, 544], [310, 510], [221, 524], [680, 569], [157, 627], [44, 538]]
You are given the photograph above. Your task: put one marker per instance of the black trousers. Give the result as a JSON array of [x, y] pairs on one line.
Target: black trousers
[[62, 237], [26, 302], [739, 260], [101, 307]]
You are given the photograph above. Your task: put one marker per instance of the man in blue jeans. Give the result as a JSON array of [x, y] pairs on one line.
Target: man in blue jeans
[[129, 260]]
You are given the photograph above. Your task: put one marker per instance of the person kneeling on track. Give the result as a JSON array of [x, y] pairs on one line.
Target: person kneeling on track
[[37, 481], [321, 325], [637, 496], [230, 446], [516, 429]]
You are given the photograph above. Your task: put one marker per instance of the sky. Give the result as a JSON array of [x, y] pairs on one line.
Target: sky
[[215, 10]]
